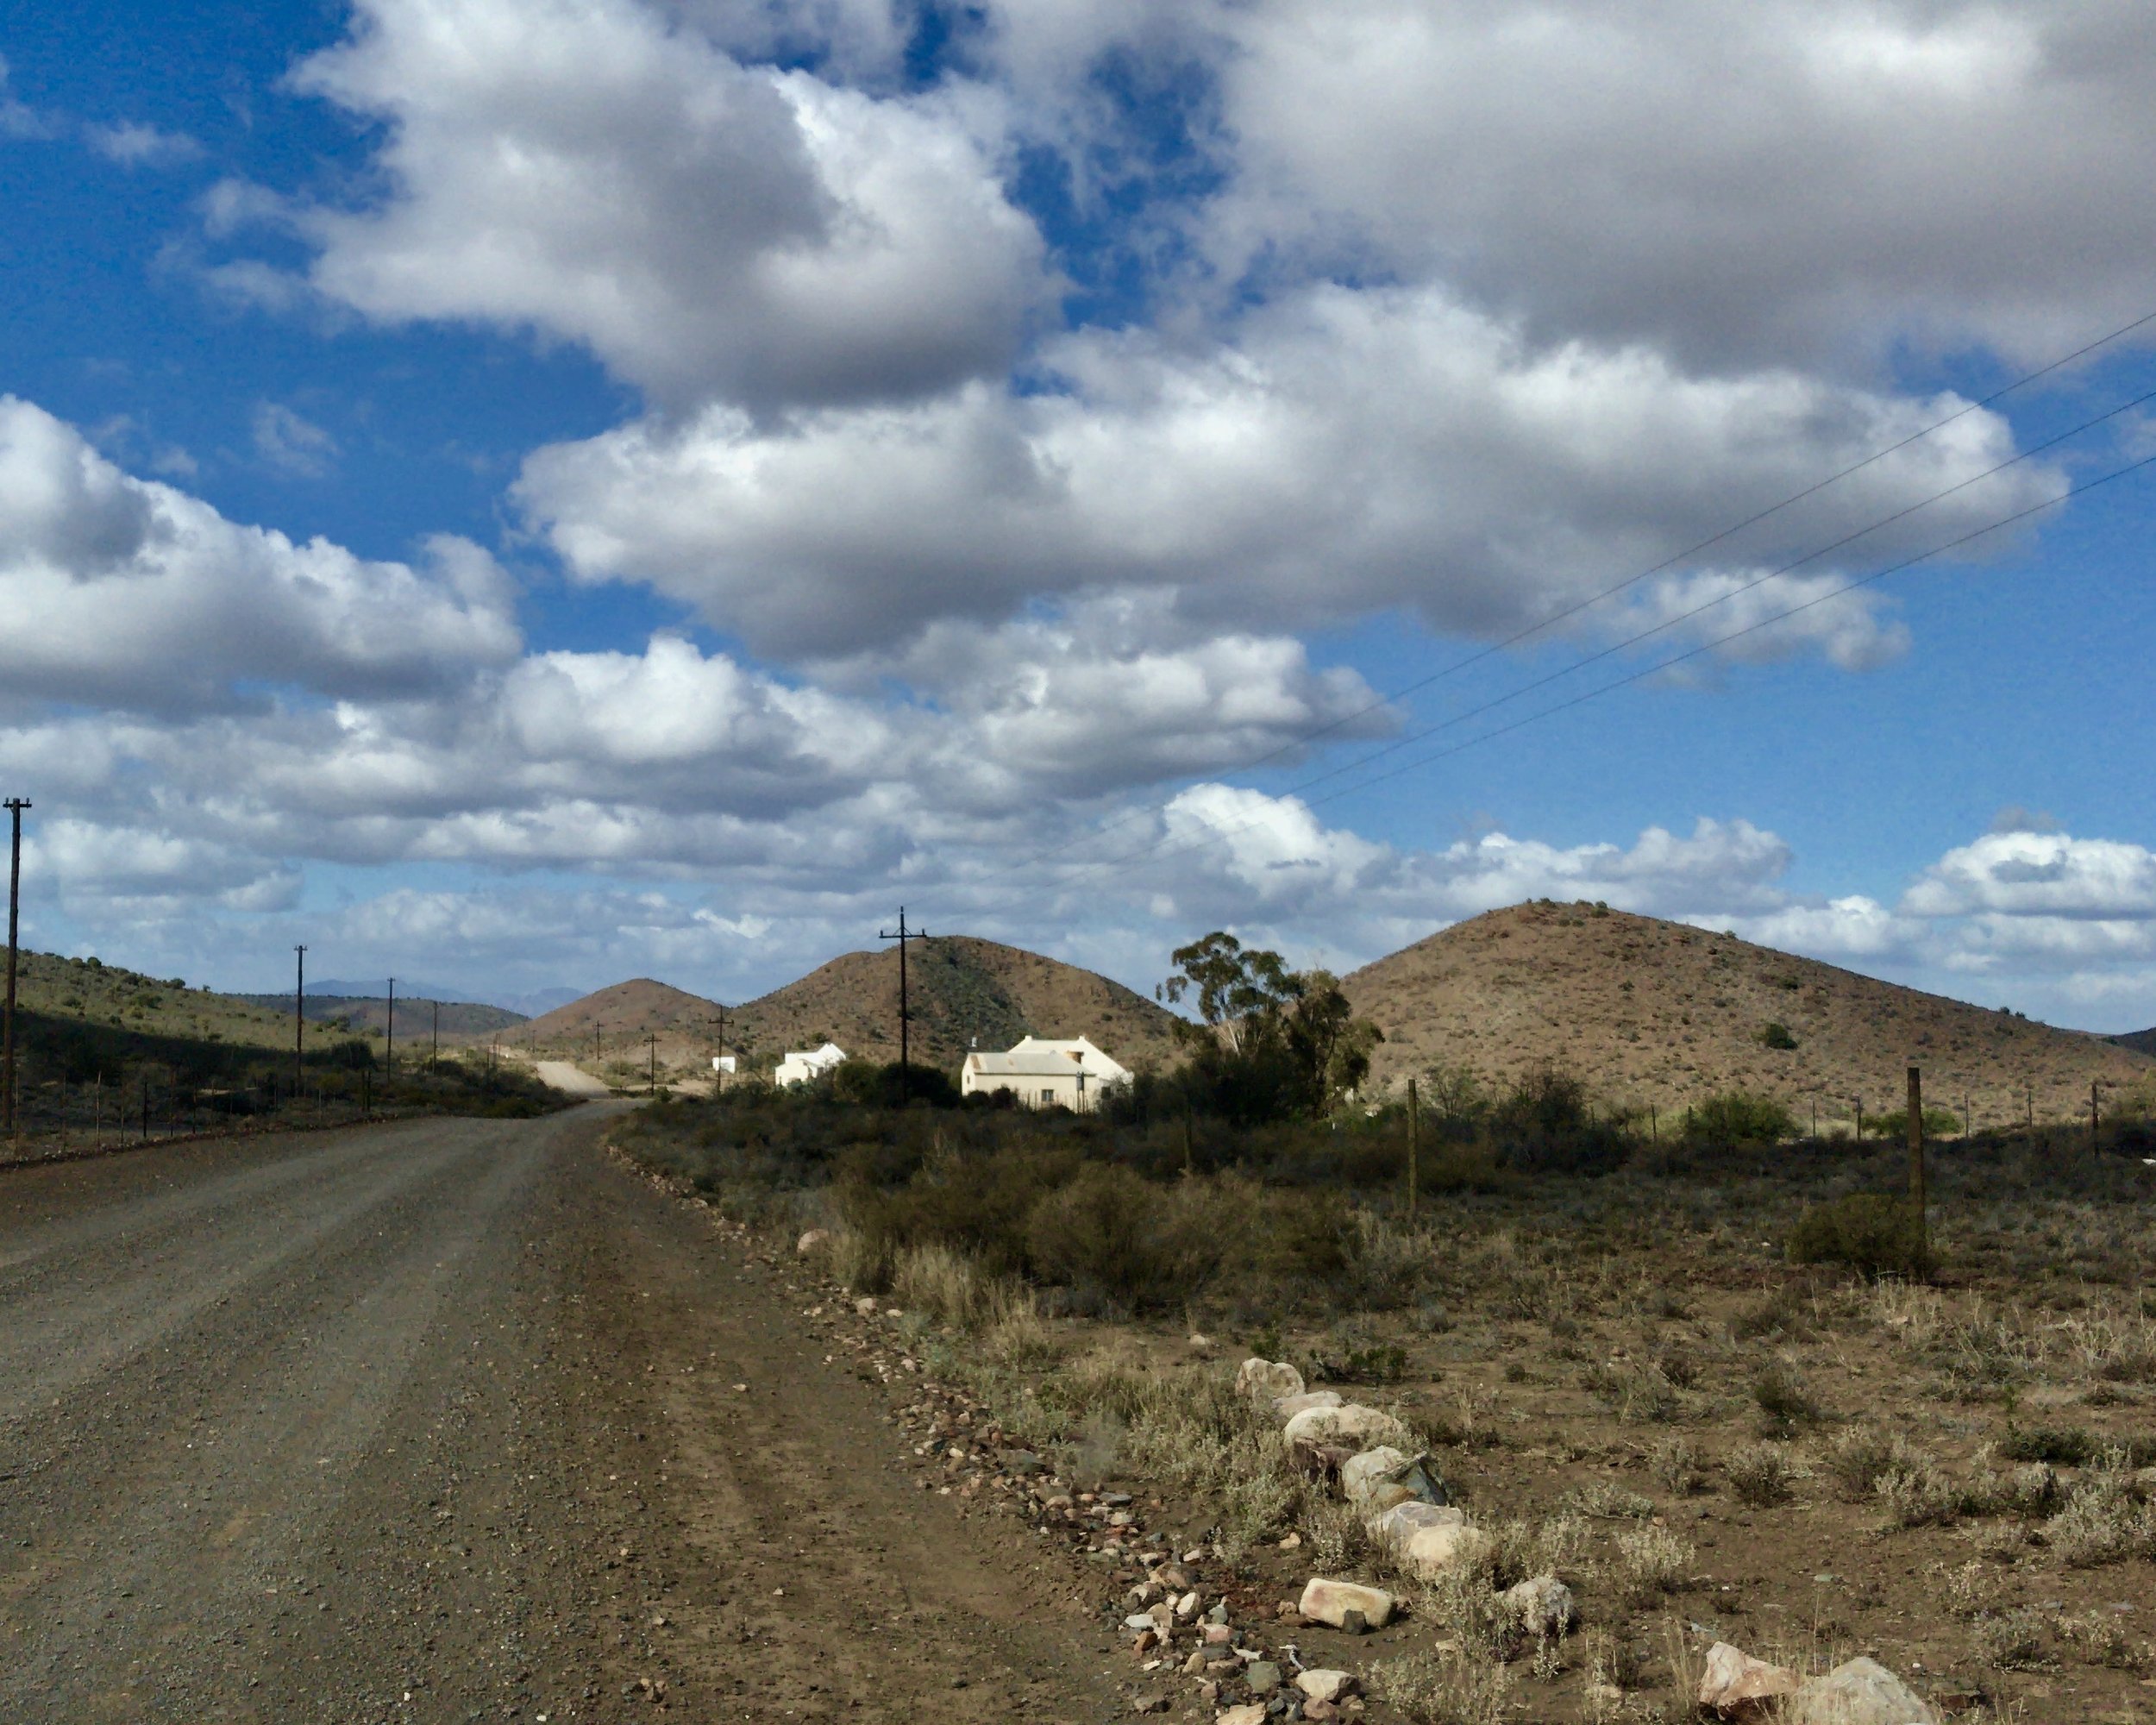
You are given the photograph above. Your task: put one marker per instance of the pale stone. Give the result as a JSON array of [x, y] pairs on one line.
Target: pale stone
[[1541, 1606], [1330, 1602], [1286, 1407], [866, 1306], [1737, 1686], [1393, 1527], [1263, 1676], [1861, 1692], [1324, 1685], [1186, 1607], [811, 1240], [1253, 1713], [1361, 1474], [1428, 1553], [1264, 1382], [1351, 1426], [1378, 1478]]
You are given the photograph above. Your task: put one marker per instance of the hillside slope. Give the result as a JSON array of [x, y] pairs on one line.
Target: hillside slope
[[1654, 1014], [462, 1021], [624, 1014], [104, 998], [2141, 1041], [962, 989]]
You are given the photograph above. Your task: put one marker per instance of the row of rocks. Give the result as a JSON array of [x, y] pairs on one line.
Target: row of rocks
[[1398, 1493], [1736, 1686]]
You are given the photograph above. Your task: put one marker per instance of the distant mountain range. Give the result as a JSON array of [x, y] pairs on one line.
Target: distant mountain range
[[529, 1005], [459, 1021]]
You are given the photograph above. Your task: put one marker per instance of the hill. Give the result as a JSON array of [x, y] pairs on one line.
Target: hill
[[962, 989], [94, 996], [627, 1013], [2141, 1041], [1654, 1014], [462, 1021]]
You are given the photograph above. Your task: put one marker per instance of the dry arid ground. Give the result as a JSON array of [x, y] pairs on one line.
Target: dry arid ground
[[1624, 1382], [1663, 1014]]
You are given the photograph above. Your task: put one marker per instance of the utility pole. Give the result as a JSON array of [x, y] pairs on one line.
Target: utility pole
[[300, 1024], [1916, 1159], [15, 806], [389, 1046], [2092, 1093], [434, 1057], [905, 1056], [1414, 1146], [719, 1073], [1856, 1102], [655, 1062]]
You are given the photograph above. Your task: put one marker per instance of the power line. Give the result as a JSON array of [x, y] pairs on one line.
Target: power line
[[1160, 846], [1642, 675], [1303, 739]]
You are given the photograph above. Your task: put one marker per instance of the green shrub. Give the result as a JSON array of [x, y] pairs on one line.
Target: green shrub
[[1869, 1232], [1105, 1229], [1735, 1117], [2063, 1445], [1776, 1036], [1895, 1125]]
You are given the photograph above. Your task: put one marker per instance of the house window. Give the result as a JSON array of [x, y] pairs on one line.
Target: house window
[[1048, 1099]]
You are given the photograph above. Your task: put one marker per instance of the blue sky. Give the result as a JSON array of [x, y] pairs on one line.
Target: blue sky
[[532, 493]]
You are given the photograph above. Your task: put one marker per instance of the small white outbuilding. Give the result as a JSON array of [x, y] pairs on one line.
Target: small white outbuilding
[[1045, 1074], [801, 1068]]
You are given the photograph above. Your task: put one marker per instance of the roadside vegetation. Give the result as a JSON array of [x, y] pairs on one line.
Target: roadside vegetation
[[1710, 1375], [106, 1056]]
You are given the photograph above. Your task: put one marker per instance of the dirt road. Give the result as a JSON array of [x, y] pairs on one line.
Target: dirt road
[[450, 1420]]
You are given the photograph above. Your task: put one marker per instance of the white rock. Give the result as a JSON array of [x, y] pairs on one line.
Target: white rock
[[1186, 1607], [1861, 1692], [1349, 1426], [1264, 1382], [1428, 1553], [1542, 1606], [1737, 1686], [1393, 1527], [866, 1306], [1360, 1475], [1330, 1601], [1324, 1685], [811, 1240], [1286, 1407], [1253, 1713], [1378, 1478]]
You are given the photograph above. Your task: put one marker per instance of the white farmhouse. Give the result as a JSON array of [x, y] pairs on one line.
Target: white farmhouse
[[799, 1068], [1044, 1073]]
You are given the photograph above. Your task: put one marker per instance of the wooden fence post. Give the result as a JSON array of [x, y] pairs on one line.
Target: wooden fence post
[[1916, 1159]]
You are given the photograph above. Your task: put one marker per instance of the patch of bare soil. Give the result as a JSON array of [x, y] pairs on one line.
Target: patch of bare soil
[[785, 1565]]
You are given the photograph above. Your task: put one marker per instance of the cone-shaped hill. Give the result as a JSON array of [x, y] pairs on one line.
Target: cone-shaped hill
[[961, 990], [1659, 1013], [630, 1011]]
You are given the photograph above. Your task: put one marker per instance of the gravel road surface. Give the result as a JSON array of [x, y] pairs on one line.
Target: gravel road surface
[[451, 1420]]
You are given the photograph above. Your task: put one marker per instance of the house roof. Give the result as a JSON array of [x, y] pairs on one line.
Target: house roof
[[1098, 1063], [1025, 1063]]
